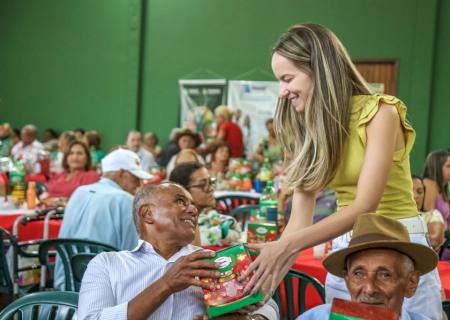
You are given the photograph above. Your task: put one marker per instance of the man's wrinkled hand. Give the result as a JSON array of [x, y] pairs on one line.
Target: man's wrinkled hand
[[188, 270]]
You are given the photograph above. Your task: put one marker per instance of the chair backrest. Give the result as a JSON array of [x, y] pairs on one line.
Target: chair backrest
[[79, 263], [7, 242], [43, 305], [446, 307], [229, 200], [446, 244], [66, 249], [242, 213], [294, 286]]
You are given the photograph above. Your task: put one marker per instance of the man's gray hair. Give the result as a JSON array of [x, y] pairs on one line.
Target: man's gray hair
[[408, 264], [145, 195], [30, 127]]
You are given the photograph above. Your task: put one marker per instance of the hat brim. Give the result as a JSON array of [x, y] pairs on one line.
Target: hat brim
[[141, 174], [194, 136], [424, 258]]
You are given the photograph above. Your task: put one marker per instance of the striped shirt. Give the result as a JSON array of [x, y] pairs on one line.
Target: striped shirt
[[112, 279]]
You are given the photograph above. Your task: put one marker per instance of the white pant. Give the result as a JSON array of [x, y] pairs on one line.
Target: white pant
[[426, 300]]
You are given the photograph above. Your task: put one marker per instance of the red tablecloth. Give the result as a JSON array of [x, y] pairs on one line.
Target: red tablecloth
[[33, 230]]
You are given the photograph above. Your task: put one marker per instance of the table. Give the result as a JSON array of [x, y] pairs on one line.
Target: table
[[33, 230]]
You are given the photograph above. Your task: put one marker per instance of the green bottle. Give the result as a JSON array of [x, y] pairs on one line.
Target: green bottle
[[268, 203], [17, 173]]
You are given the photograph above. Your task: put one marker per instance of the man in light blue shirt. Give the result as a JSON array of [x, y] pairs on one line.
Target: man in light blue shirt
[[381, 267], [159, 279], [102, 211]]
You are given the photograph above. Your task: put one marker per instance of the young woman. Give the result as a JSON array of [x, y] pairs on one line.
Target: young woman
[[220, 156], [337, 134], [433, 218], [436, 176], [77, 172]]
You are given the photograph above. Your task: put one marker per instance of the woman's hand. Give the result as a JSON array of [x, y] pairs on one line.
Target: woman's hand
[[271, 262]]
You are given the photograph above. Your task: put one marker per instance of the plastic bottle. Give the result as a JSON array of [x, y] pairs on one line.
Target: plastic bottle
[[265, 172], [18, 193], [31, 195], [268, 203], [17, 173]]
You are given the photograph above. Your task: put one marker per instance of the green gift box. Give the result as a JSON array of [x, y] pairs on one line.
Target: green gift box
[[228, 293]]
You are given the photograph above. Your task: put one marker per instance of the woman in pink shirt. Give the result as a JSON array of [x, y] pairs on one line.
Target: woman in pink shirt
[[77, 172]]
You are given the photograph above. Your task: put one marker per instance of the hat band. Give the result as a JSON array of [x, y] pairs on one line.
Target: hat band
[[370, 237]]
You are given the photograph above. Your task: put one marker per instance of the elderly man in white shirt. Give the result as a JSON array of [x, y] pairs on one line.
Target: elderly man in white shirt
[[134, 142], [30, 148], [159, 279]]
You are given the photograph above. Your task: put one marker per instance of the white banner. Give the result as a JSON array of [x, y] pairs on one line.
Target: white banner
[[198, 93], [257, 100]]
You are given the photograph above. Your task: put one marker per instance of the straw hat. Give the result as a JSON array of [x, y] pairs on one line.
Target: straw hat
[[374, 231], [190, 133]]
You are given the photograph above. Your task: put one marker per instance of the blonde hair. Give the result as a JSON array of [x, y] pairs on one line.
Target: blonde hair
[[185, 152], [314, 139], [223, 111]]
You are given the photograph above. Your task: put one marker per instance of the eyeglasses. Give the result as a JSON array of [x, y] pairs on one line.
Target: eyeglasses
[[206, 185]]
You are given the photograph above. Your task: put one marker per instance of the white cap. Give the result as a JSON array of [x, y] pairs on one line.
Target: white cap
[[122, 159]]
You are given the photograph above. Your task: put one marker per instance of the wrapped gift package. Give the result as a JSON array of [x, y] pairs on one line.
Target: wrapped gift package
[[228, 293]]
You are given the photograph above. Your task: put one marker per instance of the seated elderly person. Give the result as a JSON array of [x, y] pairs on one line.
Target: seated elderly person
[[102, 211], [77, 172], [159, 278], [134, 142], [29, 148], [380, 266]]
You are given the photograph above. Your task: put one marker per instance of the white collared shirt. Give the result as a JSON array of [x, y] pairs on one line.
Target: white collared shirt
[[112, 279], [147, 159]]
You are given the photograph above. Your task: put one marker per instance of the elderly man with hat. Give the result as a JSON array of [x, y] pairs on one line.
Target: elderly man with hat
[[381, 266], [102, 211]]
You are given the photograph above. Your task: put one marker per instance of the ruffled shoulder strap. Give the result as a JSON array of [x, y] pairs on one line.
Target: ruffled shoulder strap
[[367, 106]]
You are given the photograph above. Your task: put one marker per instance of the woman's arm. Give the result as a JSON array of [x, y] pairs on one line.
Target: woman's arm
[[431, 194], [382, 133], [371, 183], [436, 233]]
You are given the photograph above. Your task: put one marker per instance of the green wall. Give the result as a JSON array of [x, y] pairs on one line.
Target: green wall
[[76, 63], [67, 64], [439, 133]]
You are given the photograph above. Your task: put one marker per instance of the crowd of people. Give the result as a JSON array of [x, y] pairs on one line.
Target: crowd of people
[[339, 142]]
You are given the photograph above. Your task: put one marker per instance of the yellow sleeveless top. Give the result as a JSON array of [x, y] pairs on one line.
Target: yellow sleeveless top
[[397, 201]]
